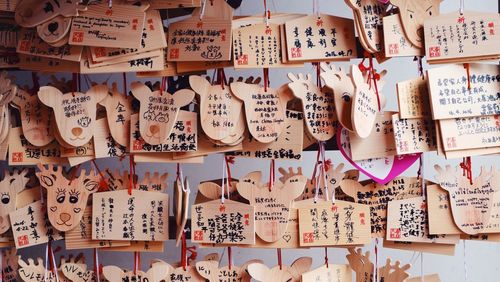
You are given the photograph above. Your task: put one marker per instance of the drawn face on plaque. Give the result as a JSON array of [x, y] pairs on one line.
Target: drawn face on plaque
[[158, 111], [66, 200], [271, 203], [54, 30], [118, 111], [75, 112], [157, 273], [12, 184], [413, 14], [30, 13]]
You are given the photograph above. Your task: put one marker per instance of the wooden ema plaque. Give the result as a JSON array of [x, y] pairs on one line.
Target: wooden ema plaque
[[395, 42], [329, 273], [364, 105], [469, 37], [327, 224], [407, 221], [31, 44], [439, 211], [413, 98], [158, 272], [21, 152], [31, 226], [376, 196], [143, 216], [285, 273], [320, 37], [118, 111], [11, 185], [229, 223], [368, 16], [416, 135], [450, 97], [470, 133], [120, 26]]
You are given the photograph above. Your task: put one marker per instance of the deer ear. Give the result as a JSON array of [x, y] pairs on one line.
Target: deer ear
[[206, 268], [238, 89], [399, 3], [49, 96], [112, 273], [357, 76], [248, 183], [140, 91], [199, 84], [210, 190], [259, 271], [183, 97], [98, 92], [159, 271]]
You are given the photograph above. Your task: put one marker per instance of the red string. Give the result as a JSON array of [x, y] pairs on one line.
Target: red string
[[221, 76], [103, 184], [137, 262], [229, 257], [467, 68], [280, 263], [125, 83], [73, 174], [316, 165], [79, 82], [326, 257], [376, 258], [51, 257], [163, 84], [178, 172], [271, 175], [183, 251], [131, 184], [266, 78], [466, 166], [373, 76], [318, 74]]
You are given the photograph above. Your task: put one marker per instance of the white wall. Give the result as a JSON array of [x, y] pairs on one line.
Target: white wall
[[480, 260]]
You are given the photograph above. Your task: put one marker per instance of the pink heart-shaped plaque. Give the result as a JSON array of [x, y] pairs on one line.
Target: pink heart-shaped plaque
[[381, 170]]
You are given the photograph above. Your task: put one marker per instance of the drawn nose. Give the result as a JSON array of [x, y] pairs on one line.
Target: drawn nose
[[154, 129], [420, 32], [65, 217], [77, 131], [53, 27]]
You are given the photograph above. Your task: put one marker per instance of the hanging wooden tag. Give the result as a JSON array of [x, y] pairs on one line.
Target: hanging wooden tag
[[393, 272], [450, 97], [11, 185], [380, 142], [470, 133], [10, 265], [21, 152], [293, 273], [395, 42], [376, 196], [210, 270], [183, 138], [360, 264], [36, 119], [140, 216], [330, 273], [55, 31], [77, 272], [217, 105], [369, 15], [80, 236], [452, 37], [326, 224], [431, 248], [265, 110], [439, 211], [317, 104], [118, 112], [320, 37], [416, 135], [217, 223], [181, 208], [147, 61], [412, 15], [152, 38], [471, 202], [66, 199], [407, 221], [34, 272], [413, 98], [272, 203], [103, 26], [156, 273], [186, 274], [364, 105], [290, 237], [31, 13], [30, 44], [105, 145], [75, 112], [31, 226], [287, 146], [159, 110]]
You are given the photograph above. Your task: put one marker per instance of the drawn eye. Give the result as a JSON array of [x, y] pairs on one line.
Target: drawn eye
[[73, 199], [60, 199], [411, 16], [346, 97], [5, 198], [430, 13]]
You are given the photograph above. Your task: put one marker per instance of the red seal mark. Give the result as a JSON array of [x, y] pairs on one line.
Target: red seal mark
[[395, 233], [198, 235], [174, 53], [243, 60], [393, 49], [25, 45], [308, 237], [17, 157], [296, 52], [451, 142], [77, 36], [138, 145], [23, 240], [434, 52]]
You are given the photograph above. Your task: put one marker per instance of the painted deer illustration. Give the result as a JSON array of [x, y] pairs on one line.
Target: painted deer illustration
[[13, 183]]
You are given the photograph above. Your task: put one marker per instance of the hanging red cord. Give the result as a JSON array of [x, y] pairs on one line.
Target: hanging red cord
[[271, 175], [318, 74], [131, 184], [266, 78], [36, 83], [229, 257], [137, 262], [466, 166], [221, 76], [183, 251], [163, 84], [373, 76], [420, 67], [467, 69], [229, 160], [79, 82], [280, 263], [103, 184]]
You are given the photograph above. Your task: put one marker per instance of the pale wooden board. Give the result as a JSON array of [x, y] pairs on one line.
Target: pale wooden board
[[12, 184], [426, 278], [183, 137], [449, 83], [470, 133], [31, 227], [167, 157], [150, 61], [205, 147], [104, 144], [416, 135], [93, 65], [152, 38], [433, 248], [170, 4], [364, 105], [231, 223], [407, 222], [23, 153], [445, 38], [395, 42], [212, 271], [471, 203], [287, 146], [369, 13], [80, 237], [317, 104], [376, 196], [158, 272], [10, 265], [353, 230], [492, 237], [104, 27], [195, 66], [330, 273], [169, 69], [30, 44], [284, 273], [380, 142], [272, 204], [471, 152], [118, 110], [320, 37], [127, 214], [44, 64], [439, 212], [139, 246], [413, 98]]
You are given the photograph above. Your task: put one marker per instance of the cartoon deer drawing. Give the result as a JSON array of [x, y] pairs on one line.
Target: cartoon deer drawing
[[11, 185], [66, 200], [293, 273]]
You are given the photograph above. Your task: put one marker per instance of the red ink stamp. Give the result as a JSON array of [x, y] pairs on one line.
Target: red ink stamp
[[451, 142], [100, 52], [308, 237], [393, 49], [25, 45], [174, 53], [23, 240], [138, 145], [296, 52], [395, 233], [198, 235], [434, 52], [77, 36], [243, 60], [17, 157]]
